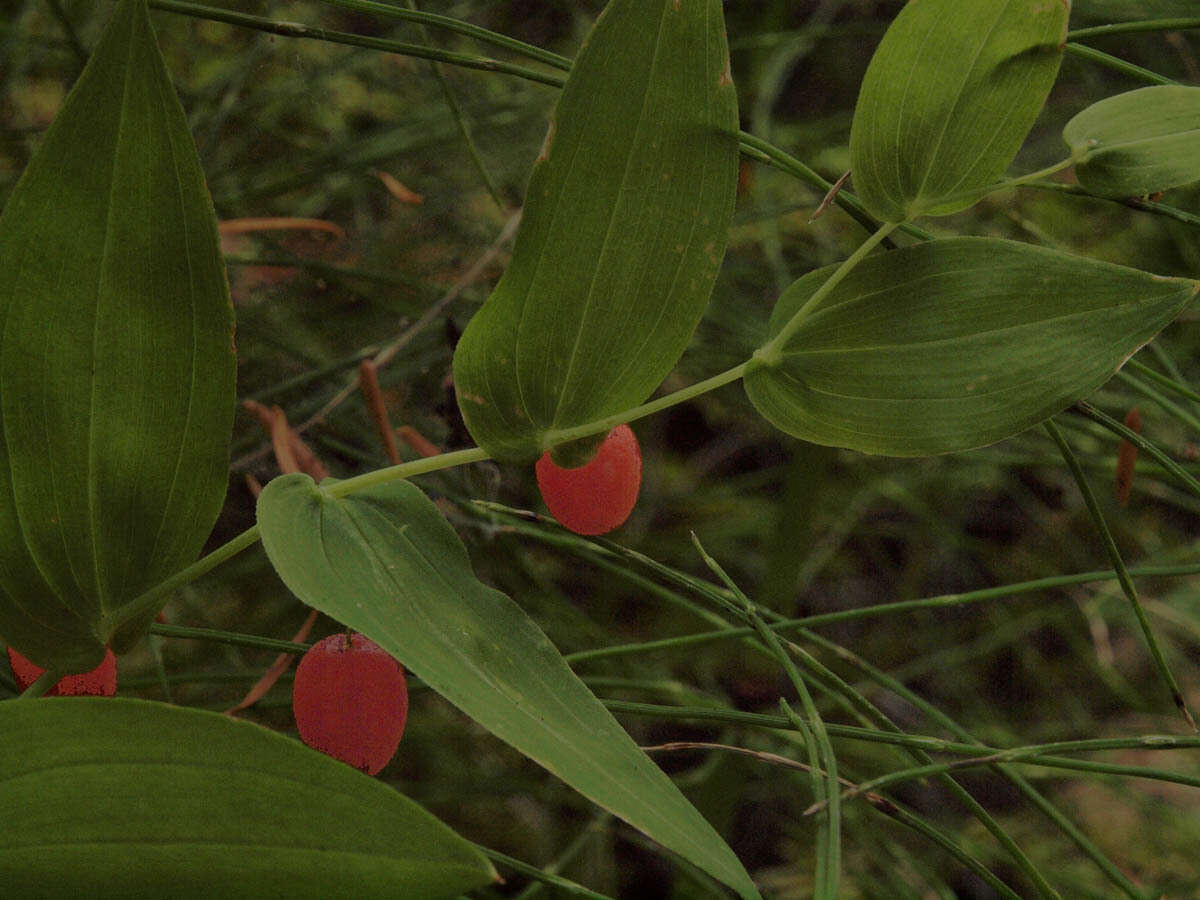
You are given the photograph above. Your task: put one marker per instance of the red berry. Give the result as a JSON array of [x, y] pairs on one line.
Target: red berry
[[101, 681], [597, 497], [350, 701]]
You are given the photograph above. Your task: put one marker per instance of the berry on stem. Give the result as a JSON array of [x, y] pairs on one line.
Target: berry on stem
[[350, 700], [100, 681], [597, 497]]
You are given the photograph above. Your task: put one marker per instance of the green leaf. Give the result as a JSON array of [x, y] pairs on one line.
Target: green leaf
[[623, 231], [1138, 142], [953, 344], [386, 563], [108, 798], [947, 100], [116, 358]]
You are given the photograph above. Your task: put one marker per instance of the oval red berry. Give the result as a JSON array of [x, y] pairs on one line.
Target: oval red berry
[[100, 681], [597, 497], [350, 700]]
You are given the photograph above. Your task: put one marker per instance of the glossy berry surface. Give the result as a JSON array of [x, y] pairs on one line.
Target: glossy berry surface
[[100, 681], [350, 700], [597, 497]]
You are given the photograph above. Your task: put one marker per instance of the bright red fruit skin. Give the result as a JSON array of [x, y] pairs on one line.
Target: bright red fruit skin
[[597, 497], [350, 700], [100, 682]]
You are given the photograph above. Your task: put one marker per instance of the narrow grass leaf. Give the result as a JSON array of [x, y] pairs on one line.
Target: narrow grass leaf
[[623, 230], [954, 344], [116, 358], [948, 99], [114, 798], [1138, 142], [386, 563], [1123, 578]]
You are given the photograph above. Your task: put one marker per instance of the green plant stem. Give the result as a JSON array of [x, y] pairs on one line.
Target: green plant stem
[[1026, 755], [1176, 411], [1170, 383], [1123, 578], [1048, 809], [1133, 27], [841, 692], [765, 152], [563, 435], [76, 45], [152, 600], [232, 638], [568, 887], [299, 30], [771, 352], [404, 471], [460, 118], [1155, 742], [1016, 181], [41, 684], [1150, 449], [568, 855], [822, 759], [1117, 64], [1138, 203], [600, 554], [433, 20], [947, 843]]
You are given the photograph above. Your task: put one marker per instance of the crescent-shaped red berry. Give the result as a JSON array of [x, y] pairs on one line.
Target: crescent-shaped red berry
[[100, 681], [350, 700], [597, 497]]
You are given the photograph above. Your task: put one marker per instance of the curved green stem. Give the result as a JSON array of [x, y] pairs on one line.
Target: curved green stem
[[1117, 64], [43, 683], [558, 436], [1123, 578], [300, 30], [771, 352], [152, 600], [405, 470], [980, 193], [1132, 27]]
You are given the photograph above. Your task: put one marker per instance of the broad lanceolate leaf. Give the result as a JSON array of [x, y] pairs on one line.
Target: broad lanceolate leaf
[[386, 563], [948, 98], [954, 344], [116, 358], [1138, 142], [108, 798], [622, 234]]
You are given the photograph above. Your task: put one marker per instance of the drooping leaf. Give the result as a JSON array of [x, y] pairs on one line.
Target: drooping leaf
[[947, 100], [386, 563], [1138, 142], [953, 344], [623, 231], [114, 798], [116, 358]]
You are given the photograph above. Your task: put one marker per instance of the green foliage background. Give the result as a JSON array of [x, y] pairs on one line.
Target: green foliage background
[[297, 127]]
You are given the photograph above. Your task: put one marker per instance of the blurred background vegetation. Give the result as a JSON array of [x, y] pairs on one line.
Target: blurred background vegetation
[[374, 144]]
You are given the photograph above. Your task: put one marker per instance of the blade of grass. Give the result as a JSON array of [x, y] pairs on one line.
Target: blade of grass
[[460, 118], [1116, 64], [1144, 445], [310, 32], [822, 760], [1118, 564]]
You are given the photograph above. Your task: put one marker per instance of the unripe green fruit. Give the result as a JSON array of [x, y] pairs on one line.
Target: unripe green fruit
[[597, 497], [350, 700]]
